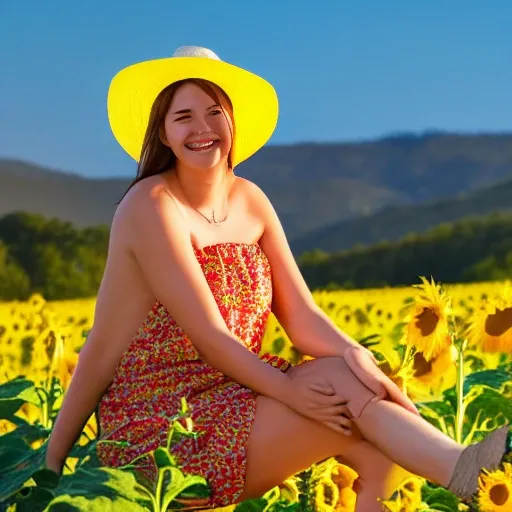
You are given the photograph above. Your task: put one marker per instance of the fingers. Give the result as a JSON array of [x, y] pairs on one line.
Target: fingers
[[325, 389], [338, 428], [321, 400], [337, 411]]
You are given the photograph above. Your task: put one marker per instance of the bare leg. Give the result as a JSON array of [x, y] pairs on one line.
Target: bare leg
[[410, 441], [407, 439], [392, 444]]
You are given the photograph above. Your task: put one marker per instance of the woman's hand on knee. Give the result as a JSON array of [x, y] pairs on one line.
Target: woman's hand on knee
[[314, 397]]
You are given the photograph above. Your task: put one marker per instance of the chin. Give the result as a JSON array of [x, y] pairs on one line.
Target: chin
[[203, 161]]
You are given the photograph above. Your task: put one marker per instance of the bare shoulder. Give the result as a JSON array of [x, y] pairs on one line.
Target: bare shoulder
[[256, 199], [124, 297], [147, 200]]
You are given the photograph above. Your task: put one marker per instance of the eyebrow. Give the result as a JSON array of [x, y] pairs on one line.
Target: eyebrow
[[187, 110]]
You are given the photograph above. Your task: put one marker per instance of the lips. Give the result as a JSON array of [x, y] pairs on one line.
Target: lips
[[201, 144]]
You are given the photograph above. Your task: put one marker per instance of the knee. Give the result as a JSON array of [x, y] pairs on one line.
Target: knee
[[344, 382]]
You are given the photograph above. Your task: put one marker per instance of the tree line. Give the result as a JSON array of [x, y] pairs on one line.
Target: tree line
[[59, 261], [473, 249]]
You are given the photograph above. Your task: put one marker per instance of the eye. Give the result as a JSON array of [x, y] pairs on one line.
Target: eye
[[181, 118], [216, 112]]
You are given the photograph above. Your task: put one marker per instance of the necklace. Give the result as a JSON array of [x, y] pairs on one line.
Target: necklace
[[213, 220]]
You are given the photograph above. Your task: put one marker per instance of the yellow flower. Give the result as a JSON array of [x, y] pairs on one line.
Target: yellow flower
[[289, 490], [433, 377], [491, 326], [399, 371], [331, 487], [326, 495], [495, 490], [407, 497], [428, 320], [344, 478], [6, 427]]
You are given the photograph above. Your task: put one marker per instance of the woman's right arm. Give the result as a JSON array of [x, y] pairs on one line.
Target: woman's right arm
[[160, 243]]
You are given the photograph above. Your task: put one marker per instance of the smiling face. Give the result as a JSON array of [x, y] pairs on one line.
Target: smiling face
[[197, 129]]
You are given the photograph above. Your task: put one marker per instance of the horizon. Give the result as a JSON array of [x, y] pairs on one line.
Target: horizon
[[392, 135]]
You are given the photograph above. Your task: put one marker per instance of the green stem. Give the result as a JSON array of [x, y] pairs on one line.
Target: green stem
[[459, 419], [158, 495]]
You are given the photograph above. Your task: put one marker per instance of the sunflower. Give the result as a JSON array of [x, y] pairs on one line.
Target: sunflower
[[432, 378], [331, 487], [491, 326], [326, 495], [344, 478], [399, 370], [428, 320], [495, 490], [289, 490], [407, 497]]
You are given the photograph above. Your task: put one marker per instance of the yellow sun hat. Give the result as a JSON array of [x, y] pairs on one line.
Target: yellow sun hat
[[134, 89]]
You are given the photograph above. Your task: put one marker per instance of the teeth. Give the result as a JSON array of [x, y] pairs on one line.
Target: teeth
[[198, 145]]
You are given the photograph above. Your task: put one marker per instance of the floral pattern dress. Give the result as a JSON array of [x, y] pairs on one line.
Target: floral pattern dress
[[162, 365]]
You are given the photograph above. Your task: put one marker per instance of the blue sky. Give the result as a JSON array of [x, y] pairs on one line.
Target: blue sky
[[344, 70]]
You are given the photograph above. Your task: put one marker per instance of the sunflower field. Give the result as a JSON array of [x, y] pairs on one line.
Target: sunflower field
[[449, 348]]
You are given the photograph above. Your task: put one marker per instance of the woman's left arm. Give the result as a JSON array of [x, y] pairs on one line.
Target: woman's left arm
[[309, 328]]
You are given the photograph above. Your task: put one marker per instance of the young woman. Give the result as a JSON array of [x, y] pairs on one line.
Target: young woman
[[197, 260]]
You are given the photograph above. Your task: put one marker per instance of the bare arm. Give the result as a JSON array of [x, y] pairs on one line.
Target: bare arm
[[309, 328], [160, 246], [121, 306]]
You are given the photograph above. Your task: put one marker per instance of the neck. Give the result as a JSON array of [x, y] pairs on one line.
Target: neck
[[205, 188]]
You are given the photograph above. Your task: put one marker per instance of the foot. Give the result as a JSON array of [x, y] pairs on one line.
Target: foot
[[489, 453]]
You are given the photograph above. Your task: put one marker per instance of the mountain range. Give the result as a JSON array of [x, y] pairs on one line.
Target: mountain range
[[328, 195]]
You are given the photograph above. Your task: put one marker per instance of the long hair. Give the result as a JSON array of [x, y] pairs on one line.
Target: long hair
[[156, 157]]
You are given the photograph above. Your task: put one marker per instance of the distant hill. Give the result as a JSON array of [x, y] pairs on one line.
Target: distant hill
[[391, 224], [312, 185]]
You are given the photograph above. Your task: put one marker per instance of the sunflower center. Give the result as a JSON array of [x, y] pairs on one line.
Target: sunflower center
[[421, 365], [501, 321], [328, 495], [426, 321], [499, 494]]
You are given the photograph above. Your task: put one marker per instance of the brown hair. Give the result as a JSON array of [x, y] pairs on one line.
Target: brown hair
[[156, 157]]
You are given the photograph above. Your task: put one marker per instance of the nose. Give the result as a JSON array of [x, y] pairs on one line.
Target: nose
[[201, 125]]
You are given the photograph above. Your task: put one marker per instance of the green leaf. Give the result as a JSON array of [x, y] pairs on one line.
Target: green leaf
[[178, 485], [99, 490], [19, 387], [163, 458], [486, 403], [32, 499], [256, 505], [93, 504], [436, 412], [46, 478], [439, 499], [492, 378], [18, 462], [26, 431], [15, 393]]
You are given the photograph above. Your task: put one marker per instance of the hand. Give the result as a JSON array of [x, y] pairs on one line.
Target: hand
[[313, 397], [53, 465], [364, 365]]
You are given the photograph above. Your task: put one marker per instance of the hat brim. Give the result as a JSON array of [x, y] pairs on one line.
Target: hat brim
[[134, 89]]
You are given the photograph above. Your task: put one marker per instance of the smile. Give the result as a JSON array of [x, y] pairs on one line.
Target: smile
[[202, 146]]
